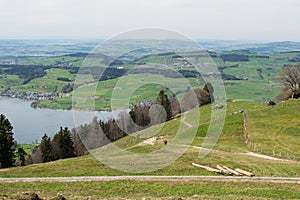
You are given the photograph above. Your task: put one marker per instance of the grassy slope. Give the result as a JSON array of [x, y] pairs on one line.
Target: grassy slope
[[7, 81], [229, 150], [251, 90], [275, 130], [105, 89], [48, 83]]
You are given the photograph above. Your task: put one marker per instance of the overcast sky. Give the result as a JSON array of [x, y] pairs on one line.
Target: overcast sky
[[199, 19]]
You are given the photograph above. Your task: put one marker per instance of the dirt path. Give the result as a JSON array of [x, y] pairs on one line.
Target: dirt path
[[150, 141], [186, 123], [152, 178], [267, 157]]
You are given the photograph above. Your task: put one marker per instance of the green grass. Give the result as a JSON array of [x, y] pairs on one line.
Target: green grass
[[7, 81], [155, 189], [270, 66], [58, 103], [271, 131], [252, 88], [230, 149], [48, 83], [275, 130], [135, 87], [50, 60], [28, 147], [59, 73]]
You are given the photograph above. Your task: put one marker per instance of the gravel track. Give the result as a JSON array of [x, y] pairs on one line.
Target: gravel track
[[153, 178]]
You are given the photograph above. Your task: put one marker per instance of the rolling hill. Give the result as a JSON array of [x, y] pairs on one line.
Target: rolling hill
[[252, 152], [264, 134]]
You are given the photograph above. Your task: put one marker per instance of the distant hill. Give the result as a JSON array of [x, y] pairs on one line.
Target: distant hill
[[258, 47]]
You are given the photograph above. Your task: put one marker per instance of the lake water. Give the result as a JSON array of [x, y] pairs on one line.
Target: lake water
[[31, 124]]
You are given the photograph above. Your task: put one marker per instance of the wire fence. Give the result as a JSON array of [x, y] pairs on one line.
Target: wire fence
[[274, 152]]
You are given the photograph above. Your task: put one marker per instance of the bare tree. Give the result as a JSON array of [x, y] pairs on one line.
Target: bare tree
[[175, 106], [79, 147], [195, 98], [290, 79]]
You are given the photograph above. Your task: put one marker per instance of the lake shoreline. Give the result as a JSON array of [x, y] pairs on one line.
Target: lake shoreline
[[51, 108], [31, 124]]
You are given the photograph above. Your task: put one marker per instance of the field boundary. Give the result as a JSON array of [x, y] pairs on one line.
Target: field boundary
[[255, 149]]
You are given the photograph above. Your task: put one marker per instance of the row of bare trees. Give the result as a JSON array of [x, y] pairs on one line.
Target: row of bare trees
[[141, 116], [98, 133]]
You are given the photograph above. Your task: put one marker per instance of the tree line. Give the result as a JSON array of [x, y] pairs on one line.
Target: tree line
[[141, 116]]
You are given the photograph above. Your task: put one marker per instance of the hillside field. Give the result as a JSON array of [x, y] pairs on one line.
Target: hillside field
[[263, 132]]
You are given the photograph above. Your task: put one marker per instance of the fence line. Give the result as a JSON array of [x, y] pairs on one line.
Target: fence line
[[253, 147]]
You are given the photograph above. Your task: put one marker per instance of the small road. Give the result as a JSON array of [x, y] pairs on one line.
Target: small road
[[154, 178]]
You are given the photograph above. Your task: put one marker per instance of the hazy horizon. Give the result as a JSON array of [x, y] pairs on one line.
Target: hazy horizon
[[269, 20], [91, 39]]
